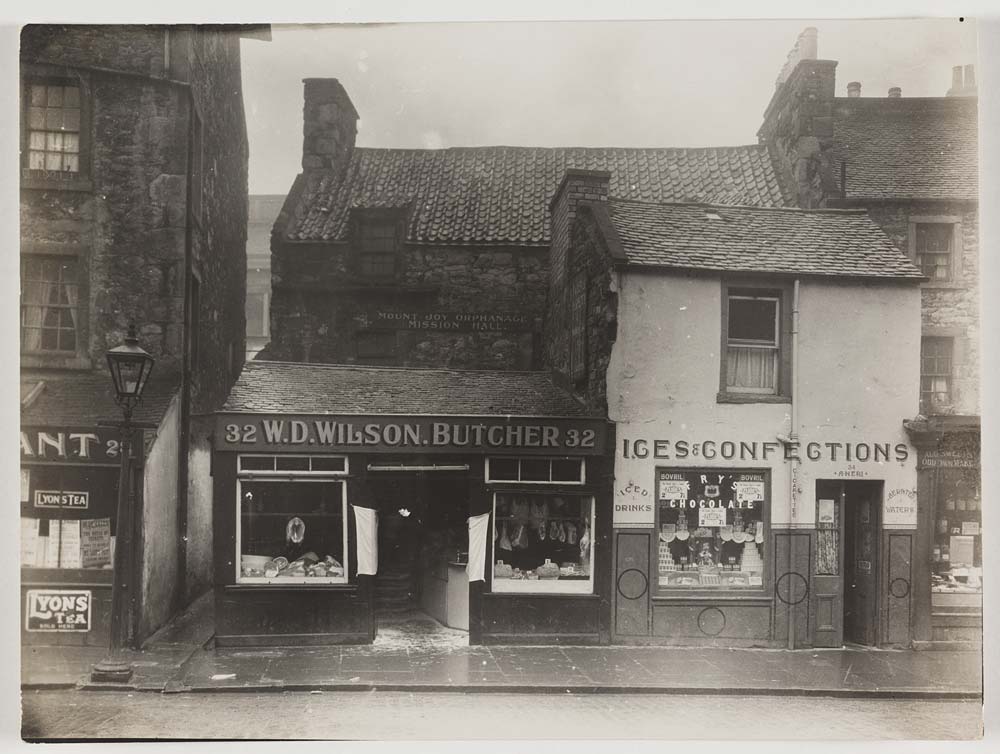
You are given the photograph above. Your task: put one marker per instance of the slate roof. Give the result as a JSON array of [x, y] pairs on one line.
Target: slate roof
[[756, 239], [84, 398], [497, 195], [283, 387], [916, 148]]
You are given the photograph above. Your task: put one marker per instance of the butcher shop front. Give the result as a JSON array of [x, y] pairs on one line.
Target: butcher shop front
[[328, 522]]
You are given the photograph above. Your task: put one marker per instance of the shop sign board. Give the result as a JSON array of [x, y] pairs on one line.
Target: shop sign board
[[900, 509], [949, 459], [62, 499], [414, 434], [383, 319], [58, 610], [90, 445]]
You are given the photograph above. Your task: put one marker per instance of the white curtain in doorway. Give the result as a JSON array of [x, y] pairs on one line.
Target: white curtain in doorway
[[366, 527], [479, 527]]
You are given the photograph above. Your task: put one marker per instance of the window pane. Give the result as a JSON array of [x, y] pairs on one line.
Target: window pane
[[37, 95], [257, 463], [55, 96], [752, 369], [36, 117], [36, 140], [71, 119], [36, 160], [753, 319], [71, 162], [535, 469], [503, 469], [934, 237], [292, 530], [328, 464], [291, 463], [53, 119], [567, 469], [71, 96], [703, 542]]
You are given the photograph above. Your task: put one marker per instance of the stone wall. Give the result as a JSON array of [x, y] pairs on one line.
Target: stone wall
[[948, 309], [319, 306]]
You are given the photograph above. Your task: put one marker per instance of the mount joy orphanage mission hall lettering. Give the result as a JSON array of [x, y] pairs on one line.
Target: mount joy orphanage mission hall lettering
[[422, 433]]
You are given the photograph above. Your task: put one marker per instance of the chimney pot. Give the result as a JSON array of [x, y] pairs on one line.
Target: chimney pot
[[956, 77], [970, 76], [854, 89], [895, 92]]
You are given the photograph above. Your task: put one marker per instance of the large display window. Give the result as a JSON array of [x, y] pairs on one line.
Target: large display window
[[712, 529], [957, 551], [292, 520], [543, 543], [67, 516]]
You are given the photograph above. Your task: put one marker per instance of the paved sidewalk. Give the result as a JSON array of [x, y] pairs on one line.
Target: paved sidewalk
[[416, 655]]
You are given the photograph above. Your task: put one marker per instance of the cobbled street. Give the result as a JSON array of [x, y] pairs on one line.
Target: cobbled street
[[379, 715]]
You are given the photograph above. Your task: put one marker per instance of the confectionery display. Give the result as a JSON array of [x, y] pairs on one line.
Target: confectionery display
[[541, 537]]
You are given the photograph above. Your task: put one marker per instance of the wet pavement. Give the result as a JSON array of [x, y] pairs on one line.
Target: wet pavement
[[400, 715], [414, 653]]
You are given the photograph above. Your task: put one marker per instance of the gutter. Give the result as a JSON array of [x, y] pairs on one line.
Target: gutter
[[793, 436]]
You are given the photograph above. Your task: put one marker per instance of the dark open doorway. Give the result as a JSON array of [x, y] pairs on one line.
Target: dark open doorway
[[423, 536]]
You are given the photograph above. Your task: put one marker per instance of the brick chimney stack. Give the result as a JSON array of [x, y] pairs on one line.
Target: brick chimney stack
[[329, 125], [895, 92], [798, 122], [853, 88]]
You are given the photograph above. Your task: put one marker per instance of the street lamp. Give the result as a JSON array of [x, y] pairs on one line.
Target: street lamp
[[130, 367]]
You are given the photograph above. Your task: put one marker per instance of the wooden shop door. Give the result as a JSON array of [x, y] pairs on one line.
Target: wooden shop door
[[861, 537], [828, 575]]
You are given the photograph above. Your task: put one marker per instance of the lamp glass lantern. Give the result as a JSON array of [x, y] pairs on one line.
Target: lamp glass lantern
[[130, 367]]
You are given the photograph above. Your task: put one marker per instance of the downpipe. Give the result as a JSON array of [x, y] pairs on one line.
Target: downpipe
[[793, 437]]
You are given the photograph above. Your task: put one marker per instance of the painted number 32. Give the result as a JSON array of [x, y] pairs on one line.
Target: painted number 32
[[234, 433], [577, 439]]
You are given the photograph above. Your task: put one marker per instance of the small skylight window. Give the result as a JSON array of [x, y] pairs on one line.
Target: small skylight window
[[711, 214]]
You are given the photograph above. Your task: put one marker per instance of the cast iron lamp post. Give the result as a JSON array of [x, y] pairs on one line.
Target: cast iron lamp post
[[130, 366]]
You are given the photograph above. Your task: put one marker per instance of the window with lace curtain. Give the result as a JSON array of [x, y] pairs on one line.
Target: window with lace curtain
[[50, 304], [755, 352], [53, 127]]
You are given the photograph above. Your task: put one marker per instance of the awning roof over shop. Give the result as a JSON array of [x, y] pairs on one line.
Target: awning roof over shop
[[84, 398], [273, 387]]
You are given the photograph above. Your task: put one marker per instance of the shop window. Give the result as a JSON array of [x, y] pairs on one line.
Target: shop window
[[936, 360], [957, 552], [50, 304], [377, 239], [68, 516], [711, 527], [291, 529], [540, 470], [756, 350], [53, 127], [376, 345], [543, 543]]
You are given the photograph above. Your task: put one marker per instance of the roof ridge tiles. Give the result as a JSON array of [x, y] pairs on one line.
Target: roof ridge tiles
[[752, 207]]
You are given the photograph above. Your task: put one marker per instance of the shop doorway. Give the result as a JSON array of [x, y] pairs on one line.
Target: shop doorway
[[421, 593], [847, 562]]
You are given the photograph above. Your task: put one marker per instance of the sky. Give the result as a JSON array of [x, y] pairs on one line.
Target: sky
[[571, 83]]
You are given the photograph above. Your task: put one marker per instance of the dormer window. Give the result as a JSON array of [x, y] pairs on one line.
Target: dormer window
[[377, 242]]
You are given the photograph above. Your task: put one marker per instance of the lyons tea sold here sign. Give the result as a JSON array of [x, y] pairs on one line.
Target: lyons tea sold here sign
[[58, 610]]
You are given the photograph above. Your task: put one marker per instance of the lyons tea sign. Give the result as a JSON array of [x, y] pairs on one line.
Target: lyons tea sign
[[58, 610]]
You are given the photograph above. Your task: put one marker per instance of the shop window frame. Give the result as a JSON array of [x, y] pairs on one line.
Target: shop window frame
[[291, 477], [575, 587], [519, 459], [781, 292], [763, 592]]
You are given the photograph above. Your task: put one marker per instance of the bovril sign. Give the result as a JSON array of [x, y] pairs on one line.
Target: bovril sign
[[58, 610]]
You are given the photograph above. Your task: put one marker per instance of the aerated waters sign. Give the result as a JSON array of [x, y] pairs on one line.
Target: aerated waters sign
[[58, 610]]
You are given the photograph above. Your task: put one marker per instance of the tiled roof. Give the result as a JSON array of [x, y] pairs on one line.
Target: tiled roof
[[501, 194], [916, 148], [755, 239], [281, 387], [84, 398]]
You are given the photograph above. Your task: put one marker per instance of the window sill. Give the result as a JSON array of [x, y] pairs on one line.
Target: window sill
[[31, 180], [54, 361], [723, 397]]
